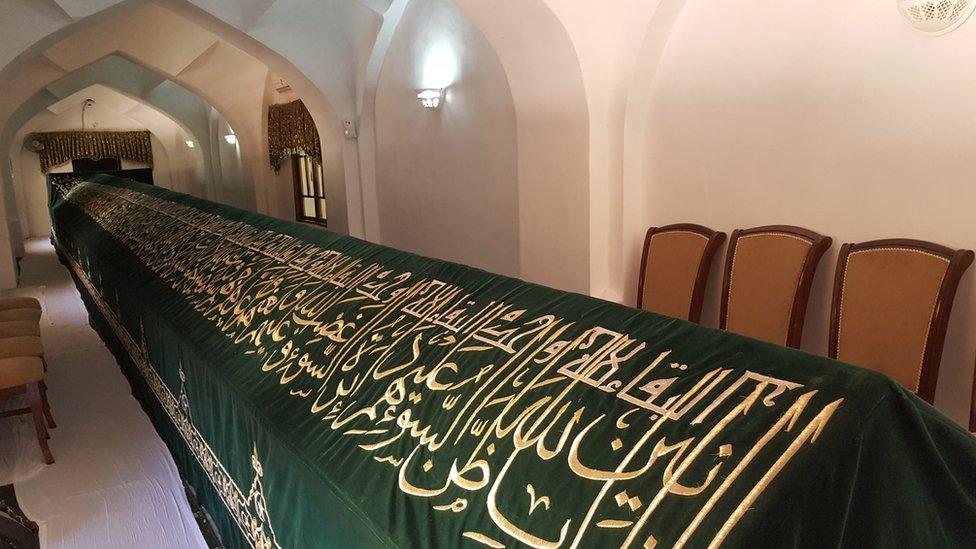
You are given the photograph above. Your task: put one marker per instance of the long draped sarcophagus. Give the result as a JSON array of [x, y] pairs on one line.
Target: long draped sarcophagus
[[317, 390]]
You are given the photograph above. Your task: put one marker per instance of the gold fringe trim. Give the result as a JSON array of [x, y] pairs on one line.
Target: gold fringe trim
[[61, 147], [291, 130]]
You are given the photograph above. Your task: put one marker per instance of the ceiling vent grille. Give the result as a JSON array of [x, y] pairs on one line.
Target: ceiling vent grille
[[936, 16]]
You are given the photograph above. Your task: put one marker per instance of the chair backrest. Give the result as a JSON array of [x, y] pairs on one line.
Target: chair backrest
[[891, 306], [674, 269], [768, 274], [972, 407]]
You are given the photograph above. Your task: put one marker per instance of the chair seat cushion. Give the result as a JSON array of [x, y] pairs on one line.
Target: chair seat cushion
[[20, 314], [21, 346], [19, 303], [14, 328], [18, 371]]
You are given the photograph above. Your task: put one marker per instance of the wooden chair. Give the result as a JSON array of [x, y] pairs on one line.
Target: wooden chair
[[768, 274], [19, 303], [972, 408], [891, 306], [29, 346], [14, 328], [28, 314], [23, 375], [674, 269], [21, 346]]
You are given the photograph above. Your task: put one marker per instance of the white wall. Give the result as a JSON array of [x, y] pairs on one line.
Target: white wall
[[447, 179], [855, 126], [228, 156], [546, 80]]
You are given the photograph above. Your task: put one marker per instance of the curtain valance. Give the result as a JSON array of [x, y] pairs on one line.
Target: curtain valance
[[59, 147], [291, 130]]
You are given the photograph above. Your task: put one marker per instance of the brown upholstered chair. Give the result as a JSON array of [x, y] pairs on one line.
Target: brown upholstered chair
[[21, 346], [14, 328], [674, 269], [19, 303], [768, 274], [891, 306], [27, 314], [972, 408], [24, 375]]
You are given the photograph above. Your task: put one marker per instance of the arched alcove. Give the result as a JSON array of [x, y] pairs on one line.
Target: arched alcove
[[213, 59], [451, 191], [138, 82], [552, 131], [112, 110], [185, 45]]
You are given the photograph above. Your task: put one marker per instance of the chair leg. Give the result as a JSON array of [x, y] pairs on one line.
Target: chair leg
[[47, 407], [37, 410]]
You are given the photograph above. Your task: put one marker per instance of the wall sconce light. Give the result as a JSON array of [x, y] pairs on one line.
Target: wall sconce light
[[430, 98], [190, 144], [231, 138]]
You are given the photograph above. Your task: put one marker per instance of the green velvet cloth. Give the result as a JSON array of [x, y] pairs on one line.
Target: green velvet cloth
[[321, 391]]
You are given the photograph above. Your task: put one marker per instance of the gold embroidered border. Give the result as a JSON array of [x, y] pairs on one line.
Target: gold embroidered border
[[252, 523]]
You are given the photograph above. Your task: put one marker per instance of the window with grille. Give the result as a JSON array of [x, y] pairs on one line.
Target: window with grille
[[309, 190]]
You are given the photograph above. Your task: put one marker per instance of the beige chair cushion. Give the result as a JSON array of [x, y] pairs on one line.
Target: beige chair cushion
[[887, 303], [765, 276], [18, 371], [20, 314], [19, 303], [21, 346], [14, 328], [673, 260]]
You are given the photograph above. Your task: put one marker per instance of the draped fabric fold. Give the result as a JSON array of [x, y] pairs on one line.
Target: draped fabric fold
[[317, 390], [291, 130], [60, 147]]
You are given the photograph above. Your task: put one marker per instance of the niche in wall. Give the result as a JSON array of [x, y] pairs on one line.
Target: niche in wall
[[447, 178]]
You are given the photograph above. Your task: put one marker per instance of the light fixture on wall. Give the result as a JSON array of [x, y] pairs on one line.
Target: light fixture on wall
[[936, 16], [439, 71], [430, 98], [190, 144], [88, 104], [231, 138]]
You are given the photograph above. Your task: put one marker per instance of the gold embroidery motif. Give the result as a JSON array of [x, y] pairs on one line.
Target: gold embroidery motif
[[249, 512], [373, 351]]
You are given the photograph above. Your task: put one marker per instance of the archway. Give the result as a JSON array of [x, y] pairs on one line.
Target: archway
[[174, 165], [138, 82], [186, 45]]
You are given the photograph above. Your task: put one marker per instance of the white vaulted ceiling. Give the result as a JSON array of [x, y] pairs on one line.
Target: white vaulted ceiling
[[167, 47], [103, 96], [149, 32], [77, 9]]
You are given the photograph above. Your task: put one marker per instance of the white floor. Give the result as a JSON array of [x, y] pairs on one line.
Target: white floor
[[114, 483]]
